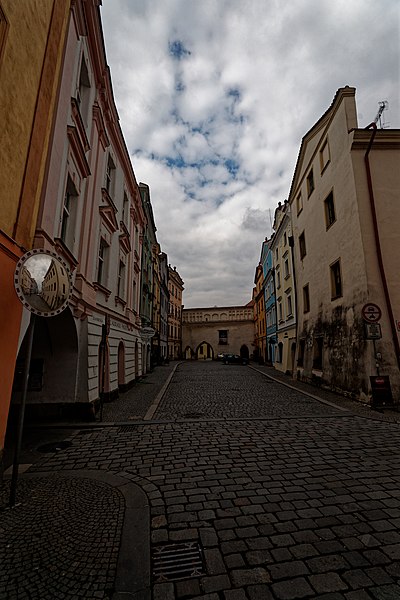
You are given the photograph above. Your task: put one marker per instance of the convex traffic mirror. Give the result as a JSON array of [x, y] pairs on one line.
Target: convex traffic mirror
[[43, 282]]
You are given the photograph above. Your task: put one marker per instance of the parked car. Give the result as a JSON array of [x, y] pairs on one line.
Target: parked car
[[234, 359], [220, 356]]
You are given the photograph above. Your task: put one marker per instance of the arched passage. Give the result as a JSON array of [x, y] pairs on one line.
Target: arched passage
[[244, 351], [189, 354], [204, 351], [53, 368]]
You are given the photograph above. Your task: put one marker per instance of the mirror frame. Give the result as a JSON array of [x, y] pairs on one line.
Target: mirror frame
[[18, 289]]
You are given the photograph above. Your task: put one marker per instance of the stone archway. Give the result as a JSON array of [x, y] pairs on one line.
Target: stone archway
[[53, 369], [189, 354], [244, 351], [204, 351]]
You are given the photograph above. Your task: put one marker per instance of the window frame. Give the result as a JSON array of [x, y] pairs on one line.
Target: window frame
[[310, 182], [329, 208], [306, 298], [336, 268], [302, 245]]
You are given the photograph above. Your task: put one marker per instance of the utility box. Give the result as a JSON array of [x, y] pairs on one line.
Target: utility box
[[381, 391]]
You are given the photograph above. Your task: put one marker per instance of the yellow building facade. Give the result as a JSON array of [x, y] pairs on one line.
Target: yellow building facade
[[259, 315]]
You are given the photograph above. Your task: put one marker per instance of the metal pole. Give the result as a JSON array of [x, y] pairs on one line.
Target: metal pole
[[17, 451]]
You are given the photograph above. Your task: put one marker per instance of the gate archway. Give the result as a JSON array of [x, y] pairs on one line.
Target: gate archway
[[204, 351]]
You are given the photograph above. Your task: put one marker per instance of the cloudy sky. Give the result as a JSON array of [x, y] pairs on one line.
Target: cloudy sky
[[214, 97]]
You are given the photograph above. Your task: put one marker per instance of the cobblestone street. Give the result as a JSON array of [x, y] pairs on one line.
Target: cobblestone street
[[287, 497]]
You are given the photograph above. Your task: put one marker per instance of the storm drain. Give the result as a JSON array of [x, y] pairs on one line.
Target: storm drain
[[127, 428], [177, 561], [54, 446]]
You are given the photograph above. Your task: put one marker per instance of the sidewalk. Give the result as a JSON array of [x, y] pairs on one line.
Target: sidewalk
[[79, 534], [331, 398]]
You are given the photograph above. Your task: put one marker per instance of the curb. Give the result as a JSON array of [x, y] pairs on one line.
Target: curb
[[132, 579], [292, 387], [149, 415]]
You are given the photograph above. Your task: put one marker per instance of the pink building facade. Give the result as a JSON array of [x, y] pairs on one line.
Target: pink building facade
[[91, 215]]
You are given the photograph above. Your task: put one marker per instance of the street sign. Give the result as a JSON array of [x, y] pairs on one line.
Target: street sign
[[373, 331], [371, 312]]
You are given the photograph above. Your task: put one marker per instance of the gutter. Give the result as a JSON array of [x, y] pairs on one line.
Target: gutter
[[378, 244]]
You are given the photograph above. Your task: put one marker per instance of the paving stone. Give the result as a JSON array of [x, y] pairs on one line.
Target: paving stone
[[259, 592], [323, 564], [328, 582], [357, 579], [294, 588], [188, 588], [243, 577], [215, 583], [289, 569], [214, 562], [233, 561], [235, 595], [386, 592]]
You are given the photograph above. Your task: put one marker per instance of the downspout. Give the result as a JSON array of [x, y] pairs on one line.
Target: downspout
[[378, 244], [291, 245]]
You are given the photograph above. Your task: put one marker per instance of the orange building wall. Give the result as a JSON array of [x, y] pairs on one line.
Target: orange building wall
[[30, 65]]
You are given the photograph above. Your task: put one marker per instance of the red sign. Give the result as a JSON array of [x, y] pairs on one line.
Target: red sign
[[371, 313]]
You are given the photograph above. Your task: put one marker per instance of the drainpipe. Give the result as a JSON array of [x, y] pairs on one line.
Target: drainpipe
[[378, 244], [291, 244]]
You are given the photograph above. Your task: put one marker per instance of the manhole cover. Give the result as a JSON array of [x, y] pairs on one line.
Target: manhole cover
[[177, 561], [193, 415], [54, 446]]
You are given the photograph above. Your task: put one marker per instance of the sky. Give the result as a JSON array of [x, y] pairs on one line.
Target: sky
[[214, 97]]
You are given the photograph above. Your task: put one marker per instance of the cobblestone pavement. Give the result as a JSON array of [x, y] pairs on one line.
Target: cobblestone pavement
[[134, 404], [213, 390], [290, 499], [55, 545]]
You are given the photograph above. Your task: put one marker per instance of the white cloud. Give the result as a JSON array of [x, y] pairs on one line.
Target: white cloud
[[214, 98]]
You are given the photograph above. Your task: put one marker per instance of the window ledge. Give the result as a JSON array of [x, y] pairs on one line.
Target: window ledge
[[119, 300], [99, 287]]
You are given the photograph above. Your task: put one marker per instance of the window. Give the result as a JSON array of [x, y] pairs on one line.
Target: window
[[330, 216], [121, 280], [280, 311], [276, 253], [336, 280], [125, 210], [102, 262], [317, 353], [287, 273], [83, 94], [310, 183], [306, 299], [278, 279], [324, 156], [289, 305], [110, 175], [69, 214], [284, 239], [302, 245], [299, 203], [300, 357]]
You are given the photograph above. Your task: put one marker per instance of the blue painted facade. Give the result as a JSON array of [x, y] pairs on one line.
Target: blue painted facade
[[269, 296]]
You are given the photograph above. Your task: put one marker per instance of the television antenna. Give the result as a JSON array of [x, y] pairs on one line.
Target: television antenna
[[383, 105]]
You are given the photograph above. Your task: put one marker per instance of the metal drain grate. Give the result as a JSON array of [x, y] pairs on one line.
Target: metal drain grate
[[127, 428], [177, 561], [54, 446]]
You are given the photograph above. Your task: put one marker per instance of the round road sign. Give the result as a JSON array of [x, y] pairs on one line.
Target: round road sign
[[371, 312]]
